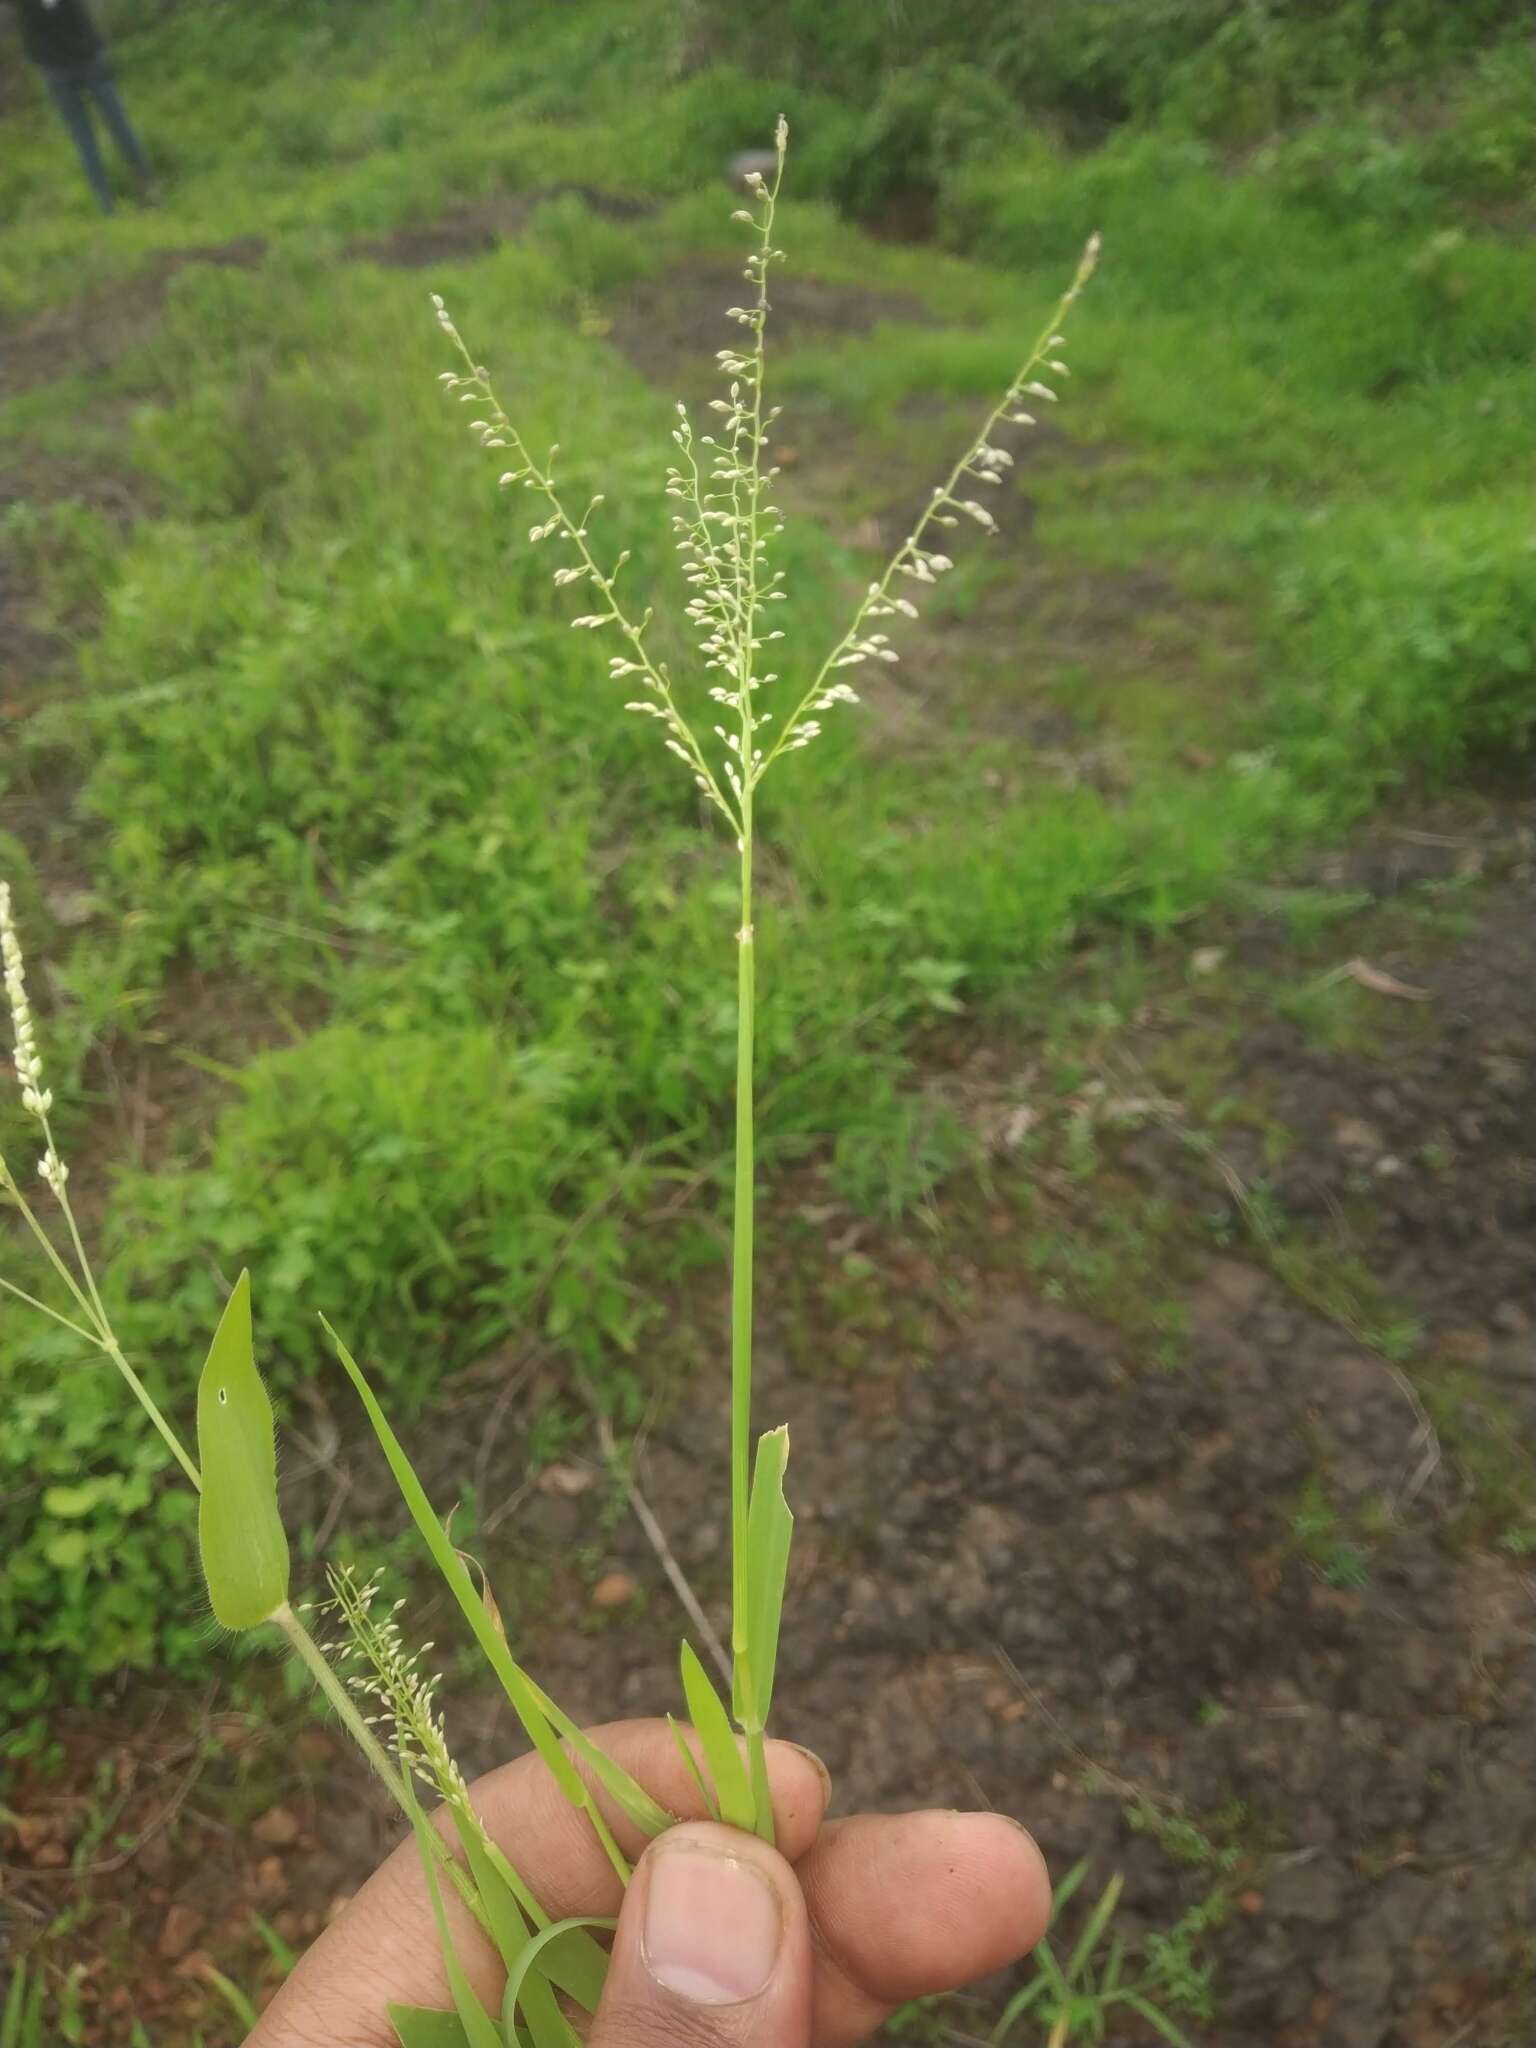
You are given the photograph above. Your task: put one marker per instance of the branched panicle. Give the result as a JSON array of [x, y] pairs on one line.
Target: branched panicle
[[473, 387], [724, 524], [916, 559]]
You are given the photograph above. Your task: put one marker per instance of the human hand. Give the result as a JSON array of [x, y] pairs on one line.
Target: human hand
[[722, 1942]]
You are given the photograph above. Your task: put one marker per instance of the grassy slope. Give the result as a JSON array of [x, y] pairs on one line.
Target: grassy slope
[[342, 763]]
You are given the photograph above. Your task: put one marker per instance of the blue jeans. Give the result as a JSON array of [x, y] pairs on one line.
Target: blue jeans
[[73, 88]]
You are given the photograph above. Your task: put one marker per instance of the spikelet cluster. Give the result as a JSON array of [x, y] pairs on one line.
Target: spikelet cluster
[[725, 523], [388, 1678], [36, 1099]]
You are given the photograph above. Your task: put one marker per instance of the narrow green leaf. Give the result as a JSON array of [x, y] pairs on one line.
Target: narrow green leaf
[[515, 1681], [692, 1764], [514, 1996], [1158, 2020], [547, 2025], [419, 2028], [233, 1997], [1050, 1969], [1068, 1886], [1113, 1967], [1017, 2006], [721, 1753], [239, 1531], [480, 2030], [632, 1799], [770, 1526], [15, 2005], [510, 1929], [504, 1917], [1098, 1919], [576, 1965], [284, 1956]]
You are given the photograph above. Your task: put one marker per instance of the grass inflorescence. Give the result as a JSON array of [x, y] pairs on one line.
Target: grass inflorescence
[[725, 530]]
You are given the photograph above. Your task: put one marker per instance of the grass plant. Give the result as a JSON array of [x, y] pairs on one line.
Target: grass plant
[[725, 524]]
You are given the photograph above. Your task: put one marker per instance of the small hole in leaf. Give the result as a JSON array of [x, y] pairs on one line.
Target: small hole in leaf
[[223, 1393]]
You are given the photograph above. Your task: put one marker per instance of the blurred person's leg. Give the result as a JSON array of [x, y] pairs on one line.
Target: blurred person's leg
[[67, 90], [103, 88]]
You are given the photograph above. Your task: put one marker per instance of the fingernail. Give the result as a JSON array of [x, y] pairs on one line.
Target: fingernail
[[815, 1761], [712, 1927]]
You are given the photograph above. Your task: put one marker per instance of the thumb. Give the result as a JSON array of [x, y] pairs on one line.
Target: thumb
[[713, 1949]]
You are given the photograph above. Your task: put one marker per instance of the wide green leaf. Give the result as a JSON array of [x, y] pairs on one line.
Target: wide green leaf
[[504, 1916], [575, 1964], [239, 1531], [480, 2030], [417, 2027], [712, 1724], [511, 1933], [770, 1525]]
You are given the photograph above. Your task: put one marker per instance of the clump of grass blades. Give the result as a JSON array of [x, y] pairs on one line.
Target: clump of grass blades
[[725, 522]]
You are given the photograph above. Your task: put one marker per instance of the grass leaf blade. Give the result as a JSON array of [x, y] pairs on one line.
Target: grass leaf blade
[[515, 1682], [631, 1798], [233, 1997], [1159, 2021], [692, 1764], [417, 2027], [1098, 1919], [480, 2030], [239, 1531], [514, 1996], [713, 1727], [770, 1526]]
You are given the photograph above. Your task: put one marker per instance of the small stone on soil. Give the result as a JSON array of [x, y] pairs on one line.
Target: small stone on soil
[[181, 1927], [277, 1828], [614, 1589]]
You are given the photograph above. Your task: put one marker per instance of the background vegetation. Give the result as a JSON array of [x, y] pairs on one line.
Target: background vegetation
[[326, 812]]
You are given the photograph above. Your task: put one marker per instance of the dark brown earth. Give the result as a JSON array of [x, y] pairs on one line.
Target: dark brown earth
[[93, 332], [476, 230], [1045, 1561]]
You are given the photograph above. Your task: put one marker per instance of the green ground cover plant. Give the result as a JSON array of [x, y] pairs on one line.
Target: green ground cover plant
[[725, 527], [480, 1055], [318, 676]]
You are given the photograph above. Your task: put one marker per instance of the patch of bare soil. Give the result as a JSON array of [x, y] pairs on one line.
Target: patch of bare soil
[[670, 327], [476, 230], [1119, 1537], [93, 332], [1418, 1148]]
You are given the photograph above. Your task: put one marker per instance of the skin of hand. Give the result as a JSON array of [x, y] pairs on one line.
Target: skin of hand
[[722, 1941]]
